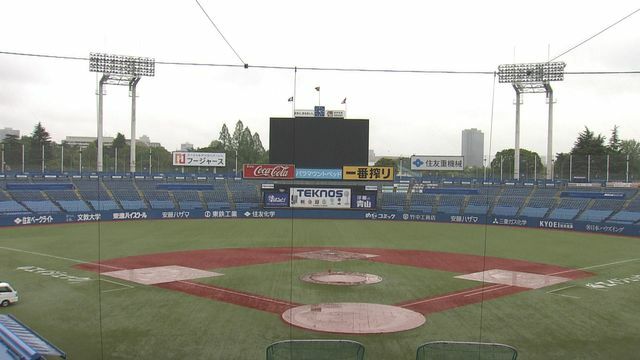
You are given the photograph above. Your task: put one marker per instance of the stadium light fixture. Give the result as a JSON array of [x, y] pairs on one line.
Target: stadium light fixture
[[120, 70], [532, 78]]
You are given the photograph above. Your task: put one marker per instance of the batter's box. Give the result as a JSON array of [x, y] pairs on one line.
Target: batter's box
[[333, 255], [514, 278], [160, 274]]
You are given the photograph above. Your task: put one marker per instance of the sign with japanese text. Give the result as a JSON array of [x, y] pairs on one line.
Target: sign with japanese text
[[327, 198], [364, 201], [371, 173], [276, 199], [183, 158], [429, 163], [319, 174], [268, 171]]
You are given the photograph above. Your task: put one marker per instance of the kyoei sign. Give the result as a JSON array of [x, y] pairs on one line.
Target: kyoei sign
[[269, 171]]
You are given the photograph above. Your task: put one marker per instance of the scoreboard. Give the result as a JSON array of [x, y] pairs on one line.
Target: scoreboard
[[319, 142]]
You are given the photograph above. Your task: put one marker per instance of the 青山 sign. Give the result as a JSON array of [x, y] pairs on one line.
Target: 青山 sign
[[268, 171], [447, 163], [182, 158], [374, 173]]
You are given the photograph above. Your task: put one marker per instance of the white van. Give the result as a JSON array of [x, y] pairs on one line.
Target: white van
[[7, 294]]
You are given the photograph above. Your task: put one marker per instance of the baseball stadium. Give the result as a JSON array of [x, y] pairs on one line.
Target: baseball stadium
[[311, 247]]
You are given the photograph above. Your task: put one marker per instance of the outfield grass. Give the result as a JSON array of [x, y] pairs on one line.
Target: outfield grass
[[101, 319]]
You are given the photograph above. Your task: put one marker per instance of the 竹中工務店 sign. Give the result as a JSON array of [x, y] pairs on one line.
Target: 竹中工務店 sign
[[183, 158], [373, 173], [429, 163]]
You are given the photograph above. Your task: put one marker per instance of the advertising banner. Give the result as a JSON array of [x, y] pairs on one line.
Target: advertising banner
[[364, 201], [183, 158], [429, 163], [327, 198], [276, 199], [319, 174], [268, 171], [369, 173]]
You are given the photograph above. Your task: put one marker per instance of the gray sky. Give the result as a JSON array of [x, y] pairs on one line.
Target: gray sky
[[410, 113]]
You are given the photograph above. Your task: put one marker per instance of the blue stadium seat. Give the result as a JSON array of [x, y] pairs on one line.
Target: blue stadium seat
[[73, 205], [44, 206], [563, 214], [594, 215], [625, 217]]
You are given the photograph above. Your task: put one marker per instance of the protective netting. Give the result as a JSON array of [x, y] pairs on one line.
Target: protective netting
[[451, 350], [315, 350]]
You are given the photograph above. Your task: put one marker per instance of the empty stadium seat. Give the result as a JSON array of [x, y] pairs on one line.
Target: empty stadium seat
[[44, 206], [73, 205], [594, 215], [625, 217]]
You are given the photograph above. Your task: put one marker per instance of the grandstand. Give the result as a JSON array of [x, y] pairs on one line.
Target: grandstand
[[63, 194]]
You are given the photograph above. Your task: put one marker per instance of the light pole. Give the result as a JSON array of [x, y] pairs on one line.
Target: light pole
[[532, 78], [3, 158], [119, 70], [236, 170]]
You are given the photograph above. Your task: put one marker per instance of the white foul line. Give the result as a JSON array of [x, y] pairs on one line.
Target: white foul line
[[482, 291], [562, 288], [595, 266], [233, 292], [446, 296], [72, 260]]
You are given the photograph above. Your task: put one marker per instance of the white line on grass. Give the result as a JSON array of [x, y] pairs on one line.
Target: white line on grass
[[59, 257], [445, 296], [234, 292], [75, 261], [485, 290], [562, 288], [595, 266]]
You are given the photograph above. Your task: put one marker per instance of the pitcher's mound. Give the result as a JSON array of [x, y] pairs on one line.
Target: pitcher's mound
[[353, 318], [341, 278]]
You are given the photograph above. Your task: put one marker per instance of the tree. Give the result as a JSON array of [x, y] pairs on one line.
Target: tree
[[589, 144], [39, 138], [387, 162], [614, 141], [12, 152], [530, 163], [225, 137], [237, 135], [119, 142]]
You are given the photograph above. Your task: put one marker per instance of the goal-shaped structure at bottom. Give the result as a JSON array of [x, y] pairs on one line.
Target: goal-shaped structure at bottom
[[456, 350], [315, 350]]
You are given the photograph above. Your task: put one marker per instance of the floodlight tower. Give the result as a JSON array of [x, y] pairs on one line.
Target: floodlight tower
[[532, 78], [120, 70]]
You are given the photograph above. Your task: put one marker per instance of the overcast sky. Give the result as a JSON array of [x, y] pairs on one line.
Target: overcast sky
[[409, 113]]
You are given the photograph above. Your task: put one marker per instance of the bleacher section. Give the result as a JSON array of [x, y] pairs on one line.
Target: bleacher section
[[38, 194], [450, 204], [423, 203], [394, 201]]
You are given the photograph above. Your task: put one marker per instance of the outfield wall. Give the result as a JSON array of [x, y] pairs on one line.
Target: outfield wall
[[28, 220]]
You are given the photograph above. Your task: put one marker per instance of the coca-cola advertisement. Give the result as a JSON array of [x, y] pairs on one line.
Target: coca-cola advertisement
[[268, 171]]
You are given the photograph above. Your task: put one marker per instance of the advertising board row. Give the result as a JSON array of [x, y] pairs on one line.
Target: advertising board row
[[289, 172], [318, 213], [433, 163], [320, 198]]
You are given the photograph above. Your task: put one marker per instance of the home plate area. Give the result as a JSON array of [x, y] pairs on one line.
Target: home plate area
[[514, 278], [160, 274]]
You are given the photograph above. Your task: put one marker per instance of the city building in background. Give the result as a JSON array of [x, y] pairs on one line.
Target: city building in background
[[472, 147], [84, 141], [8, 131], [186, 146]]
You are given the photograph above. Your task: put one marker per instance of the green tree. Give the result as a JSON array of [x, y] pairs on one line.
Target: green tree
[[614, 141], [387, 162], [530, 164], [12, 152], [589, 155], [225, 137], [119, 142], [237, 135], [39, 138]]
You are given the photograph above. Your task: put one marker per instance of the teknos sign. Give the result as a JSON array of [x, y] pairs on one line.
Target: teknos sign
[[268, 171]]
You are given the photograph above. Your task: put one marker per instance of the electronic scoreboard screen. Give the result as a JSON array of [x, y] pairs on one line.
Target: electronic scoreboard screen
[[319, 142]]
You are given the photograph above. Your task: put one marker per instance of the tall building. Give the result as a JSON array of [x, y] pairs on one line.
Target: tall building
[[472, 147], [8, 131]]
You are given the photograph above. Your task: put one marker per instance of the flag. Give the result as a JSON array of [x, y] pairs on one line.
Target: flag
[[290, 99], [317, 88], [344, 101]]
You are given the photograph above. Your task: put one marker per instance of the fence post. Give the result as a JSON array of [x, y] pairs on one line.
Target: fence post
[[589, 168]]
